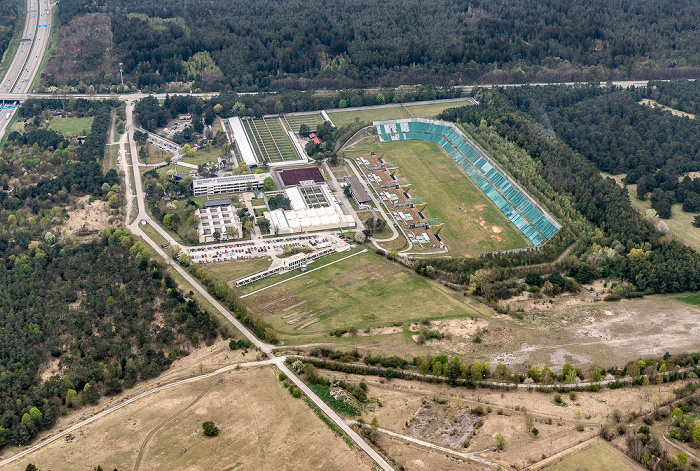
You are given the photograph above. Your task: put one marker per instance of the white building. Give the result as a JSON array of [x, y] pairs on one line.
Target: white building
[[217, 216], [313, 208], [243, 145], [225, 185]]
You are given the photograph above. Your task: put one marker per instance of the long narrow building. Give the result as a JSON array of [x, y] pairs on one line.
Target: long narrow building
[[243, 145]]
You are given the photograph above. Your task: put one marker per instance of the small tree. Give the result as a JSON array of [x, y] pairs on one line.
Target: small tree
[[268, 184], [500, 441], [304, 130], [216, 235], [210, 430]]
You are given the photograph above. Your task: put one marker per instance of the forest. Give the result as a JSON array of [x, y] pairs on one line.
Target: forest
[[683, 95], [267, 45], [9, 13], [652, 147], [102, 313]]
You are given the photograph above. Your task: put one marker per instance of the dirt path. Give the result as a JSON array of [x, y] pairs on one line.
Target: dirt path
[[466, 456], [142, 449], [144, 394]]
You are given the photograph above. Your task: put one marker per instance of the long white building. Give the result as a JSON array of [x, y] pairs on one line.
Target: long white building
[[313, 208], [226, 185], [243, 145]]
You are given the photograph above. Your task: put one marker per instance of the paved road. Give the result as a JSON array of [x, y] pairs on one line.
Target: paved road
[[265, 348], [25, 64]]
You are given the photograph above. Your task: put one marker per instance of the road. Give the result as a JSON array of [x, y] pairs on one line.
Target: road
[[25, 65], [265, 348], [121, 405]]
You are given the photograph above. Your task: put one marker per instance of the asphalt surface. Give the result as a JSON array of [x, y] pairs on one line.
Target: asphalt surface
[[25, 65]]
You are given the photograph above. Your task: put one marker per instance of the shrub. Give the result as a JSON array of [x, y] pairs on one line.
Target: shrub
[[579, 427], [557, 398], [210, 430], [572, 396]]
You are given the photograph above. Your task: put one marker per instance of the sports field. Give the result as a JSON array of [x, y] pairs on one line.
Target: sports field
[[364, 291], [270, 140], [311, 120], [345, 117], [471, 223], [72, 126]]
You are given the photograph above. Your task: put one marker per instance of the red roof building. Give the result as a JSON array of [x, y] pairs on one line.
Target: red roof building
[[301, 176], [314, 138]]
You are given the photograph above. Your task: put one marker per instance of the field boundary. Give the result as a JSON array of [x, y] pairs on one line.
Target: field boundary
[[302, 274]]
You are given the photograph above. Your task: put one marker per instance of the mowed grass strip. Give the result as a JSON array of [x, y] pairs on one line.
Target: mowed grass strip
[[471, 223], [345, 117], [364, 291], [432, 110], [311, 120], [71, 125], [604, 459]]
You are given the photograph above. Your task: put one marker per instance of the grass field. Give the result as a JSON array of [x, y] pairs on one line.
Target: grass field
[[596, 457], [432, 110], [472, 224], [231, 271], [270, 140], [72, 126], [345, 117], [364, 291], [261, 427], [312, 120]]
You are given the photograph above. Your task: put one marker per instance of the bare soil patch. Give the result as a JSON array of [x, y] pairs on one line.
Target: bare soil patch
[[90, 216]]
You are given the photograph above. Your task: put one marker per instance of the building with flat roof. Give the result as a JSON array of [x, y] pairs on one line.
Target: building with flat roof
[[218, 219], [216, 203], [313, 208], [357, 191], [225, 185], [300, 176], [243, 145]]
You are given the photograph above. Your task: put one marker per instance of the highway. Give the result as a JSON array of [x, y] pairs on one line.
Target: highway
[[25, 65]]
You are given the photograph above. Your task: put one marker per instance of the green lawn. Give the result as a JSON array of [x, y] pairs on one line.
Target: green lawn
[[431, 111], [72, 126], [596, 457], [363, 291], [345, 117], [231, 271], [471, 223]]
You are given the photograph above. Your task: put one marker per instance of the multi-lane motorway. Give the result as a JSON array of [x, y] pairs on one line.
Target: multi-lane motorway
[[25, 65]]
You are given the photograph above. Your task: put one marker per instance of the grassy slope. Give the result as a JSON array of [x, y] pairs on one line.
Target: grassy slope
[[446, 189], [604, 461], [345, 117], [363, 291], [431, 111]]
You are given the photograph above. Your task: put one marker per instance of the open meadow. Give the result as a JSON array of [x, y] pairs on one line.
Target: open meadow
[[341, 118], [71, 126], [471, 223], [362, 292], [431, 110], [261, 427]]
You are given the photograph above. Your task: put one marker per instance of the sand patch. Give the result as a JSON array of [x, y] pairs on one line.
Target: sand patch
[[376, 331], [88, 216], [496, 229]]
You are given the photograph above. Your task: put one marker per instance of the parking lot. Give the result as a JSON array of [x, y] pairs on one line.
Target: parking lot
[[246, 250]]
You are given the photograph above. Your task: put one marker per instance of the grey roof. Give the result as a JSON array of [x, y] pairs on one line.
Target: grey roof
[[358, 191], [215, 203]]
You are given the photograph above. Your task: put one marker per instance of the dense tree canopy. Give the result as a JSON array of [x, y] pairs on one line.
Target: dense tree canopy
[[268, 44]]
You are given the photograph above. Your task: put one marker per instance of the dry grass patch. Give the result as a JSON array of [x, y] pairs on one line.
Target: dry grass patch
[[262, 427]]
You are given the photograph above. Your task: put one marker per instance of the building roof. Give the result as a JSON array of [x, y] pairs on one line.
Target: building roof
[[358, 191], [314, 138], [295, 176], [216, 203], [244, 146]]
